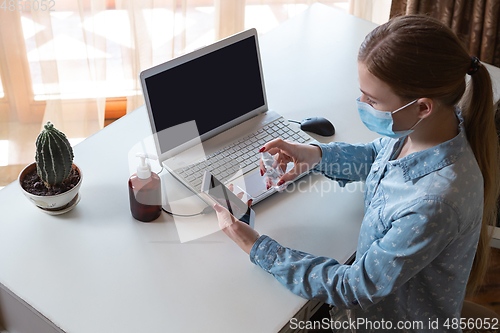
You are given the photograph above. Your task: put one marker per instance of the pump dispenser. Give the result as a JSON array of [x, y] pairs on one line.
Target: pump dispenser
[[145, 191], [144, 169]]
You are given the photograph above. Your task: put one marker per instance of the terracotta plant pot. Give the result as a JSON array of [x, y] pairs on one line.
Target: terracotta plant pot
[[52, 204]]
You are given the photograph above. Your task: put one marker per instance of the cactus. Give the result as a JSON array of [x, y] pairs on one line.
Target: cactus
[[54, 156]]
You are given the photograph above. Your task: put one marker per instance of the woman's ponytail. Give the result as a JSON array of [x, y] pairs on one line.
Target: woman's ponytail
[[479, 121]]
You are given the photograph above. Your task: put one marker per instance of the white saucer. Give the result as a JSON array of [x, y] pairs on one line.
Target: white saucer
[[64, 209]]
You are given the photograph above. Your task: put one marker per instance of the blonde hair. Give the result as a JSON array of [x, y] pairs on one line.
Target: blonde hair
[[418, 56]]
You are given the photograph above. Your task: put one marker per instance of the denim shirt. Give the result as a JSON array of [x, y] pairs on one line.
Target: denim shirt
[[417, 241]]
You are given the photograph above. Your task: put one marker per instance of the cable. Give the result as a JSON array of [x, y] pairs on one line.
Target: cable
[[207, 210], [294, 121]]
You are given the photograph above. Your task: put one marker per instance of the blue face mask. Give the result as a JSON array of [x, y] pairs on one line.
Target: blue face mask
[[382, 121]]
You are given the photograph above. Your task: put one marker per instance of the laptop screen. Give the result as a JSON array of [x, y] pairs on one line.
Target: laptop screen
[[212, 90]]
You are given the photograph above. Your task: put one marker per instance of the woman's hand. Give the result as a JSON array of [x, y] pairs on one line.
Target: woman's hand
[[241, 233], [304, 157]]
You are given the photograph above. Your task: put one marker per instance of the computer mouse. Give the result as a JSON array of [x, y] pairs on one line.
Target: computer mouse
[[318, 125]]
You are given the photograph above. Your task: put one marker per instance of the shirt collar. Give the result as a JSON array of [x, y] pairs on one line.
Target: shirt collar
[[421, 163]]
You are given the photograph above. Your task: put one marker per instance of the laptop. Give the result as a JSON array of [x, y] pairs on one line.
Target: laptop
[[208, 111]]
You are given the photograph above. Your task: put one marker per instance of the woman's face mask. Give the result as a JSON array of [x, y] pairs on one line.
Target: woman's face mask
[[382, 121]]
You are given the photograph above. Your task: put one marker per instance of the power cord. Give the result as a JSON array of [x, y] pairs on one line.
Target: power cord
[[207, 209], [162, 167]]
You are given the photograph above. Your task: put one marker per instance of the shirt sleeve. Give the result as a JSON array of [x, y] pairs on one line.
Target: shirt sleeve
[[345, 162], [413, 241]]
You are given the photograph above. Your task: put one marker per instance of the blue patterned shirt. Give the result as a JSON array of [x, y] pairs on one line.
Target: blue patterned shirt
[[417, 241]]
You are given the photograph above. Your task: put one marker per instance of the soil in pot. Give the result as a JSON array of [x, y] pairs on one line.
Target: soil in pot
[[33, 184]]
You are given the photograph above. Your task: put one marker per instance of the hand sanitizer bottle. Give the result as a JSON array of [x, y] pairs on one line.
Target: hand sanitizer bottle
[[272, 173], [145, 192]]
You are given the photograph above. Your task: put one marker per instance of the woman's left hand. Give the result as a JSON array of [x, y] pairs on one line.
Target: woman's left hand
[[241, 233]]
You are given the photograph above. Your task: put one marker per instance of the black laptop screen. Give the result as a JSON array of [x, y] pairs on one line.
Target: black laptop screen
[[211, 90]]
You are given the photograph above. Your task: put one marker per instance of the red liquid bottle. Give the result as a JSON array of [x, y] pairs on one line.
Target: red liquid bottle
[[144, 188]]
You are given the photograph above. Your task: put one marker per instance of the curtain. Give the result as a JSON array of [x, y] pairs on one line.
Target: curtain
[[66, 106], [63, 64], [86, 50], [376, 11], [51, 69], [476, 22], [227, 18]]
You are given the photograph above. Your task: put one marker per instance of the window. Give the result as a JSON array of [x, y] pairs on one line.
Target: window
[[98, 53], [89, 57]]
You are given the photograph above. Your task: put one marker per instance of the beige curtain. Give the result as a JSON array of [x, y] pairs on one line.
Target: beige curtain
[[88, 50], [230, 17], [52, 66], [376, 11], [80, 74], [180, 26], [61, 65], [476, 22]]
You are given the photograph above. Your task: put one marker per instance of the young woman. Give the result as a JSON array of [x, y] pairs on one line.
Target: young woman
[[431, 190]]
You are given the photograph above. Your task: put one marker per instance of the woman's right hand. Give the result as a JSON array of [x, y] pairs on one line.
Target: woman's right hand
[[304, 157]]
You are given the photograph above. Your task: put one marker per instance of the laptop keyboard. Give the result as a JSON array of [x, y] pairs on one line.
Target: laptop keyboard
[[241, 155]]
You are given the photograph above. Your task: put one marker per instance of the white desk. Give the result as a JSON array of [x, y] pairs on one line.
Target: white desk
[[96, 269]]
